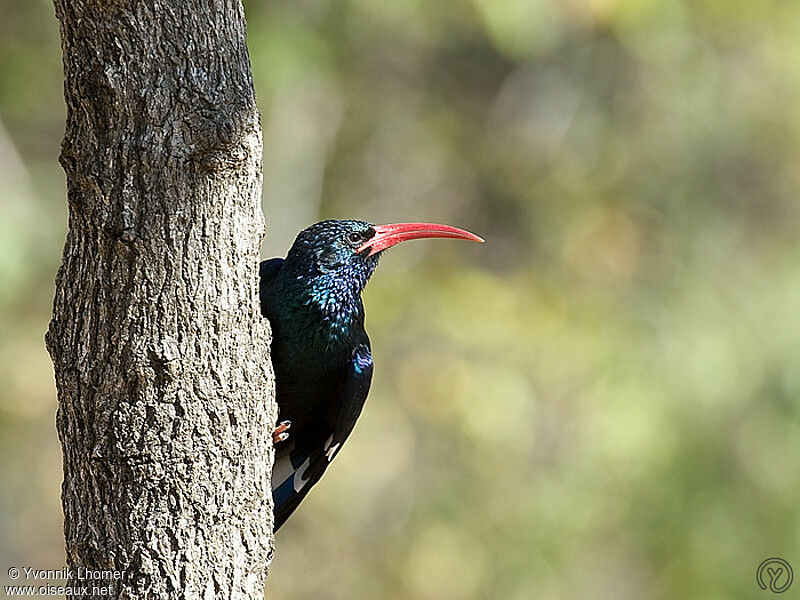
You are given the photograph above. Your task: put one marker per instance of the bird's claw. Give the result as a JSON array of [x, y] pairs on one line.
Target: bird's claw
[[281, 433]]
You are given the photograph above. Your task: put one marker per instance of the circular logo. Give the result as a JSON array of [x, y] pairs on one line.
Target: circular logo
[[774, 574]]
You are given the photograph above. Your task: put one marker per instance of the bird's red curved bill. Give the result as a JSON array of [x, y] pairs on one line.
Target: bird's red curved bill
[[387, 236]]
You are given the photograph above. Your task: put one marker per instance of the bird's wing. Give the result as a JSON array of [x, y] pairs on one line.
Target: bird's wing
[[267, 272], [300, 465], [269, 269]]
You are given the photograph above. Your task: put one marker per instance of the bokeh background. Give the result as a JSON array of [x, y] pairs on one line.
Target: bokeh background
[[601, 401]]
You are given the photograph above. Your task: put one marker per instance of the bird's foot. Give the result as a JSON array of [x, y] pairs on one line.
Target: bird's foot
[[281, 433]]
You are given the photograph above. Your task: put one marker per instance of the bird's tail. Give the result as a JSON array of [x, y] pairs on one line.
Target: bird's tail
[[297, 468]]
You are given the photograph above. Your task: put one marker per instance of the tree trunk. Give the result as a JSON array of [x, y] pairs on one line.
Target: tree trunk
[[166, 398]]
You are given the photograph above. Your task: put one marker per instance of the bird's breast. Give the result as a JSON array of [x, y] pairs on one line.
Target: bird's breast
[[313, 341], [308, 375]]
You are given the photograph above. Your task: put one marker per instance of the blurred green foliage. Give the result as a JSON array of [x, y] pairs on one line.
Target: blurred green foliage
[[602, 401]]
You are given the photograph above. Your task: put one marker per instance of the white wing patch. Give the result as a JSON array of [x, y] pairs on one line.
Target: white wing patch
[[283, 469], [331, 452], [298, 476]]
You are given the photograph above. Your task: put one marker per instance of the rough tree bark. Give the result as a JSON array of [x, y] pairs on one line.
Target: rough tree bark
[[166, 400]]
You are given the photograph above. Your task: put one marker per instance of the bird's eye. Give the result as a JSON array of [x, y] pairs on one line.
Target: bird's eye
[[354, 237]]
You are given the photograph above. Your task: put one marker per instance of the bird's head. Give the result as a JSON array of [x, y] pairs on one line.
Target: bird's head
[[330, 262], [348, 250]]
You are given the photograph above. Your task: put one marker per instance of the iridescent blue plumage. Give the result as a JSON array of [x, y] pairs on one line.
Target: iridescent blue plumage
[[320, 351]]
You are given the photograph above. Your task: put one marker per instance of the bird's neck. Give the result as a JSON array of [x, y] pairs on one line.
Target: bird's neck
[[336, 302], [323, 309]]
